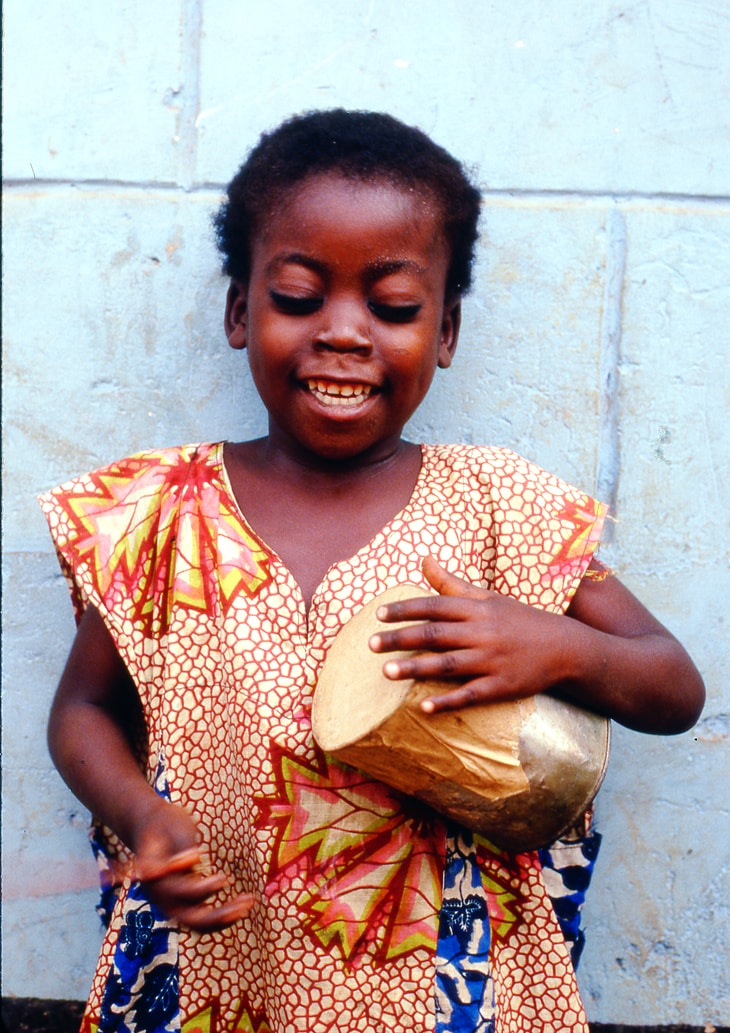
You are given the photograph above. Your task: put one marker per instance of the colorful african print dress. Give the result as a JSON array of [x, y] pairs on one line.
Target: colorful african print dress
[[373, 913]]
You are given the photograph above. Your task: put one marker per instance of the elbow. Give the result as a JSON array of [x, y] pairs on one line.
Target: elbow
[[695, 704], [673, 694], [688, 699]]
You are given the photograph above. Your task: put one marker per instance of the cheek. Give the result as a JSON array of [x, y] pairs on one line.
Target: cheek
[[416, 379], [263, 366], [268, 341], [420, 359]]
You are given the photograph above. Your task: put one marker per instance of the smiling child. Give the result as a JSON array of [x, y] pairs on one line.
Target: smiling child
[[262, 885]]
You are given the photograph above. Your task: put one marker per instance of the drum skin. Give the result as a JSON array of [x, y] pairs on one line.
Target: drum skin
[[520, 773]]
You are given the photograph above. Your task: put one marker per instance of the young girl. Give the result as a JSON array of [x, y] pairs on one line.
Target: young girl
[[263, 886]]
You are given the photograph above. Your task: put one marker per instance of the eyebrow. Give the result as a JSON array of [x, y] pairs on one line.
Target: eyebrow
[[296, 258], [395, 265], [375, 270]]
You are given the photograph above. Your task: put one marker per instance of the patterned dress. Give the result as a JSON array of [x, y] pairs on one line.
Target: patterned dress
[[372, 913]]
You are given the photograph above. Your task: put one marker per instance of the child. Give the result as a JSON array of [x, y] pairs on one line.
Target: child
[[268, 888]]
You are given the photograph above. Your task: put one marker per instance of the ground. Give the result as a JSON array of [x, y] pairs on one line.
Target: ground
[[26, 1015]]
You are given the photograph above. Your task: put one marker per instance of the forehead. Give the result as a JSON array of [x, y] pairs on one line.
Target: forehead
[[374, 216]]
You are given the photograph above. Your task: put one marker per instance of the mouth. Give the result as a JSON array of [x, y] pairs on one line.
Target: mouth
[[337, 394]]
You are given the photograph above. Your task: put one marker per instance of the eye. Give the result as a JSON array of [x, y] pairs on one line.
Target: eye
[[294, 305], [394, 313]]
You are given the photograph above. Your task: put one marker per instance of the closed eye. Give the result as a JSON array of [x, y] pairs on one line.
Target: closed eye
[[293, 305], [394, 313]]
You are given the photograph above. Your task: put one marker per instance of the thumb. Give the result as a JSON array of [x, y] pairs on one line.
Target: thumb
[[449, 584]]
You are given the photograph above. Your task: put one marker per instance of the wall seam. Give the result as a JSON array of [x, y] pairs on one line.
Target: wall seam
[[192, 21], [608, 467], [587, 198]]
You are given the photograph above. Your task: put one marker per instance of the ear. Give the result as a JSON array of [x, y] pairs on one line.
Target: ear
[[235, 316], [449, 333]]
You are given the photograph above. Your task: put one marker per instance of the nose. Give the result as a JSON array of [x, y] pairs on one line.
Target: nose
[[344, 327]]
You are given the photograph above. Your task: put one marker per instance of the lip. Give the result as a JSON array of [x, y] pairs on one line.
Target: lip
[[342, 395]]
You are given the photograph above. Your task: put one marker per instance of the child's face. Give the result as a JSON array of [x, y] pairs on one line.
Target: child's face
[[344, 316]]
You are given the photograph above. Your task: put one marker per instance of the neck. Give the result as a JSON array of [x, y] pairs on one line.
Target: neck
[[292, 460], [314, 514]]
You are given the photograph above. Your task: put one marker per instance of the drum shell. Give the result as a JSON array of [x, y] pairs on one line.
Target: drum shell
[[520, 773]]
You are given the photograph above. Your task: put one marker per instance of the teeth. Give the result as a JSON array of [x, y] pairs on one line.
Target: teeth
[[338, 394]]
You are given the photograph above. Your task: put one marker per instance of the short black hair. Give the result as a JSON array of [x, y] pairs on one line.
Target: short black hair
[[360, 145]]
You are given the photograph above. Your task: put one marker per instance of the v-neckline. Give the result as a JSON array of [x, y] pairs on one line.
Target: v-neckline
[[346, 562]]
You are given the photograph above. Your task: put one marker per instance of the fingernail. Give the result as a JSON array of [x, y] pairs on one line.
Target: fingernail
[[374, 643], [427, 706], [381, 613], [391, 669]]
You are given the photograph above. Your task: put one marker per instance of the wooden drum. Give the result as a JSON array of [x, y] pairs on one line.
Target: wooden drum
[[521, 773]]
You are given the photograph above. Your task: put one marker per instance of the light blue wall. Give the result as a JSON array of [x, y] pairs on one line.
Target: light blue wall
[[596, 342]]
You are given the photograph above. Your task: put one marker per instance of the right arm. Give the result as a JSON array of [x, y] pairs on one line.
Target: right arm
[[89, 740]]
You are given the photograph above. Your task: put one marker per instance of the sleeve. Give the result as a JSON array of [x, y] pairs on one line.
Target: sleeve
[[114, 536], [542, 532], [149, 534]]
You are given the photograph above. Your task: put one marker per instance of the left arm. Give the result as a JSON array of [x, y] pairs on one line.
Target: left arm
[[607, 653]]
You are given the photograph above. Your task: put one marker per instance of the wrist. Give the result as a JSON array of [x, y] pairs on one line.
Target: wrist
[[147, 810], [574, 651]]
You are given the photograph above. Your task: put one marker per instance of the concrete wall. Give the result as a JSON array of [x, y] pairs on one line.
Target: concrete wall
[[596, 342]]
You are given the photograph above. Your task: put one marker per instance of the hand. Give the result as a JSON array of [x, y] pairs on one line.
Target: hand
[[168, 865], [494, 647]]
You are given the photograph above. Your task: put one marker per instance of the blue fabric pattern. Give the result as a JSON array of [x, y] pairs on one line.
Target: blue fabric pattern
[[464, 986], [108, 887], [567, 867], [142, 990]]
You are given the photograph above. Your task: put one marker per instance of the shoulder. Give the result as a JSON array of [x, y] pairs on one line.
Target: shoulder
[[502, 469], [150, 531], [512, 493], [130, 496], [488, 465], [473, 455], [141, 472], [542, 530]]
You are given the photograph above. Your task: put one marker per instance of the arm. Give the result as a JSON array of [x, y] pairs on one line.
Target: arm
[[608, 653], [88, 737]]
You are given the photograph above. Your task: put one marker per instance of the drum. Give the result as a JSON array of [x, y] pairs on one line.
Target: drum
[[521, 773]]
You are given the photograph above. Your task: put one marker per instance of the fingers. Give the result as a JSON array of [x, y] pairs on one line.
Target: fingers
[[467, 695], [149, 867], [182, 891], [465, 663], [178, 884], [446, 624], [494, 647], [452, 634], [453, 591], [206, 919], [432, 609]]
